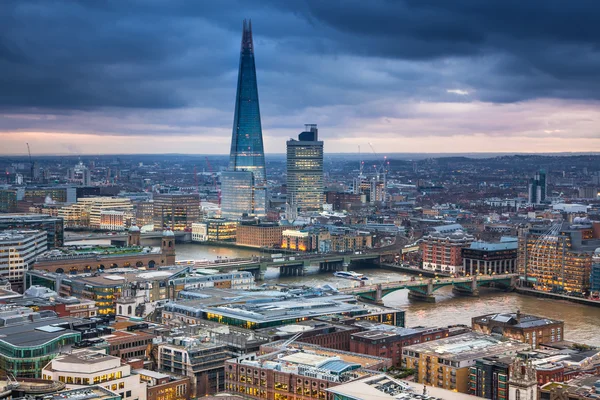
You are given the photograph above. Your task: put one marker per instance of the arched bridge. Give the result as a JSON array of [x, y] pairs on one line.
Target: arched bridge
[[424, 289]]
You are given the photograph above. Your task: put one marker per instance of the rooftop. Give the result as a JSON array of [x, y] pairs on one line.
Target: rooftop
[[90, 392], [383, 387], [468, 346], [29, 334], [515, 320]]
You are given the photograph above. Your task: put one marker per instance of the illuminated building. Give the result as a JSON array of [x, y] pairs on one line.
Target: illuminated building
[[88, 367], [243, 186], [558, 258], [488, 378], [112, 220], [106, 289], [446, 362], [214, 230], [304, 240], [176, 210], [442, 251], [305, 185], [522, 327], [8, 200], [165, 387], [144, 213], [259, 234], [286, 372], [18, 251], [87, 212], [259, 315]]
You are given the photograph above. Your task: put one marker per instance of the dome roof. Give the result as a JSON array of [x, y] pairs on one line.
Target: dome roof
[[168, 232], [134, 228]]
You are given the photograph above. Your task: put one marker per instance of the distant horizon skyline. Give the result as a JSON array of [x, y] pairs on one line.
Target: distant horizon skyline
[[413, 77]]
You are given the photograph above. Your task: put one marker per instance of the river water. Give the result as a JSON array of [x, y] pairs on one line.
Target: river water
[[582, 323]]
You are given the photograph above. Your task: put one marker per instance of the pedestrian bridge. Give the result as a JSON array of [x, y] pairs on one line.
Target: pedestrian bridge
[[423, 290]]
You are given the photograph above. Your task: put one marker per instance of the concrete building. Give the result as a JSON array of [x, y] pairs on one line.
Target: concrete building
[[490, 258], [442, 252], [200, 360], [53, 226], [87, 212], [259, 234], [525, 328], [387, 341], [88, 367], [129, 343], [305, 186], [176, 210], [18, 251], [446, 362]]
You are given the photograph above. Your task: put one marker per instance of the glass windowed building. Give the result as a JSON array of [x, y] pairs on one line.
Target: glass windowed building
[[305, 170], [243, 186]]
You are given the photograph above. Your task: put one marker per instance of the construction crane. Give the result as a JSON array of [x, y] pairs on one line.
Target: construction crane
[[30, 162], [381, 171], [214, 176]]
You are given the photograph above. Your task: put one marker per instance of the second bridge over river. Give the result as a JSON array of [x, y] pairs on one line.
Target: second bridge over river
[[423, 290]]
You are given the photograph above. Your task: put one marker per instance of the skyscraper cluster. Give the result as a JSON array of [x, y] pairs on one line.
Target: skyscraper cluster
[[243, 185]]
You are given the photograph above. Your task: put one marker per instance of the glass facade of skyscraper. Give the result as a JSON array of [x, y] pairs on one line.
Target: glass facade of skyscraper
[[247, 152], [305, 171]]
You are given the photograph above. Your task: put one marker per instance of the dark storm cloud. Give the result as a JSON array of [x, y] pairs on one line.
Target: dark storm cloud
[[63, 56]]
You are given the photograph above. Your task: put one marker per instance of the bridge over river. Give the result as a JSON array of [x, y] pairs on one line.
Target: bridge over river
[[423, 290]]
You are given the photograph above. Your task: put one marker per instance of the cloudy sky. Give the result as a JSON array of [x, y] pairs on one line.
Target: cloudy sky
[[159, 76]]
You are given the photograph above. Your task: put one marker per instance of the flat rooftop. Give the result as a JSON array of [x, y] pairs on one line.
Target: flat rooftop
[[467, 346], [36, 333], [384, 387], [90, 392]]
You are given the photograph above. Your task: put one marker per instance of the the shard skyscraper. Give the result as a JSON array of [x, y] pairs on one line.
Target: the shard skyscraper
[[243, 186]]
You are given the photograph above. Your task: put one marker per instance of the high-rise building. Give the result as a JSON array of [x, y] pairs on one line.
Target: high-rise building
[[537, 188], [176, 210], [247, 157], [18, 251], [305, 187]]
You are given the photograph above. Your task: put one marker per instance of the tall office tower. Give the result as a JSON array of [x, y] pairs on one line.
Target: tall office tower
[[537, 188], [247, 157], [305, 187], [176, 210]]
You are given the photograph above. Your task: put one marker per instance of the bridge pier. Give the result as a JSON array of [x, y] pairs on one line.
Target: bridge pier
[[332, 266], [425, 295], [291, 270], [470, 289]]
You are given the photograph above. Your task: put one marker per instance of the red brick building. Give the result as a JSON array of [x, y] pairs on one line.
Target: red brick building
[[442, 251], [165, 387], [388, 343], [127, 344]]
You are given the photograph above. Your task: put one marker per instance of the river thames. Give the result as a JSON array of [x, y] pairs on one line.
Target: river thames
[[582, 323]]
